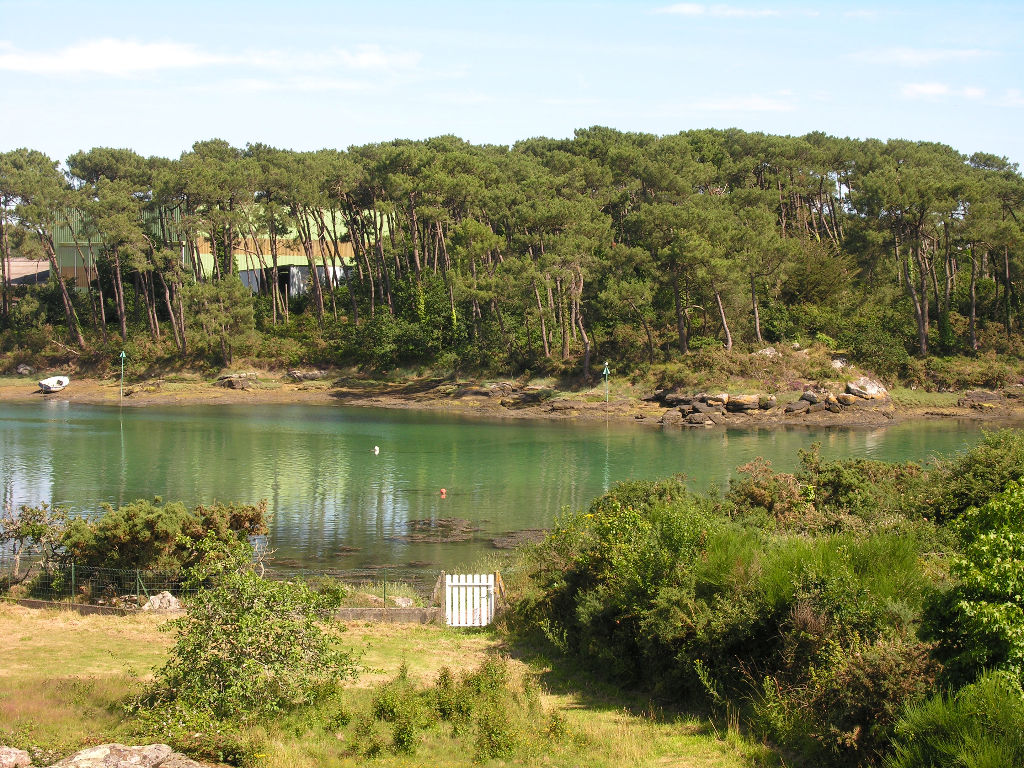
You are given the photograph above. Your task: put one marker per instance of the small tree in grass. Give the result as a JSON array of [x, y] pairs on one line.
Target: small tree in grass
[[247, 646]]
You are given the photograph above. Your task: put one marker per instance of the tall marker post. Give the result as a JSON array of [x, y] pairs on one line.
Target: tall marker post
[[606, 373], [122, 375]]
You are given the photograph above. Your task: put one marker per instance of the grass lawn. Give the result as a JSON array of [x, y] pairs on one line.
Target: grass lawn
[[63, 676]]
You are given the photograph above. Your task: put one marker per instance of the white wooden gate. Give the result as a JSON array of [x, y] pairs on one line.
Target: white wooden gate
[[468, 599]]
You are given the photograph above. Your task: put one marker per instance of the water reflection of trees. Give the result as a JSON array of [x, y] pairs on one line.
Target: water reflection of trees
[[329, 493]]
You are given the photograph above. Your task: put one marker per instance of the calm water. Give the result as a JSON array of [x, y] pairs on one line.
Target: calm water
[[338, 505]]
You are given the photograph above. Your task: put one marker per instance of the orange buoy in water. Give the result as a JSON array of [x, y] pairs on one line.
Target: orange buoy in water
[[444, 493]]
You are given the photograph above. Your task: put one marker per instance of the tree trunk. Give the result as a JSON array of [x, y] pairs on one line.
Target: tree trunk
[[681, 329], [725, 324], [119, 296], [753, 303], [74, 332], [543, 325], [974, 301]]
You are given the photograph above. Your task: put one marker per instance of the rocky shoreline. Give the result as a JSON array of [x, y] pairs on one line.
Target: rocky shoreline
[[859, 402]]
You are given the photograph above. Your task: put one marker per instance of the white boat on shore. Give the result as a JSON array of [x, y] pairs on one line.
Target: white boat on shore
[[54, 384]]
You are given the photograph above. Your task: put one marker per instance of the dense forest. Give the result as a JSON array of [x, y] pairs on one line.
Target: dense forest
[[546, 255]]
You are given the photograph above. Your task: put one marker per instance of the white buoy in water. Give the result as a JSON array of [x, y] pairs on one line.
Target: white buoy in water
[[376, 450]]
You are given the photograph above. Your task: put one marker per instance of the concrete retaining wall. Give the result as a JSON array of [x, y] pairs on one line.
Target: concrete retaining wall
[[392, 615]]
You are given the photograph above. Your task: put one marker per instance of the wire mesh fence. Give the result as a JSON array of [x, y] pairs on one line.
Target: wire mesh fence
[[129, 589]]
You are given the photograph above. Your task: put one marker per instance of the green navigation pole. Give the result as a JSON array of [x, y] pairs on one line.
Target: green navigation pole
[[606, 373], [122, 374]]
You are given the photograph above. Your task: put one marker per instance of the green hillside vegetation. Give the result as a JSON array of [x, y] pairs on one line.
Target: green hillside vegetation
[[855, 613], [669, 255]]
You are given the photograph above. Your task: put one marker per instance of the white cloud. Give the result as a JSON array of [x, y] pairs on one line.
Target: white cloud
[[1012, 98], [919, 57], [755, 103], [863, 13], [924, 90], [373, 57], [107, 56], [936, 90], [111, 56], [716, 11]]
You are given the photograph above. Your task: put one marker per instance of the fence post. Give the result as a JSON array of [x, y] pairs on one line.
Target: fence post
[[138, 592], [71, 598], [385, 589]]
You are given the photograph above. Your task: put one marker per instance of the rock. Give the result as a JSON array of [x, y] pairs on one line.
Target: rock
[[722, 398], [816, 407], [24, 370], [866, 388], [767, 402], [698, 419], [671, 417], [800, 406], [676, 398], [11, 757], [768, 352], [716, 418], [838, 363], [563, 405], [739, 403], [701, 407], [657, 397], [846, 399], [299, 375], [833, 407], [120, 756], [162, 601], [811, 396], [404, 602]]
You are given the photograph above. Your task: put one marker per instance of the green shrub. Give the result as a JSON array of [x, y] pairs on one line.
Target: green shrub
[[811, 635], [978, 623], [154, 534], [247, 647], [981, 725], [975, 477]]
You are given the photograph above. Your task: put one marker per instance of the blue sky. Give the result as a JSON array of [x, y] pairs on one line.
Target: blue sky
[[305, 75]]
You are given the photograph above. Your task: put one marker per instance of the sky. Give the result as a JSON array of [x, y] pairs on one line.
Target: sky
[[304, 75]]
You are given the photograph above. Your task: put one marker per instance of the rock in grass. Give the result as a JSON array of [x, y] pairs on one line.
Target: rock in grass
[[162, 601], [866, 388], [120, 756], [14, 758]]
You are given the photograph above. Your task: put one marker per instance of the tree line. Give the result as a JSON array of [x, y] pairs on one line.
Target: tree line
[[633, 246]]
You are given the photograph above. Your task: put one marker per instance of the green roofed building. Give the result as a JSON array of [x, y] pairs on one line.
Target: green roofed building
[[77, 251]]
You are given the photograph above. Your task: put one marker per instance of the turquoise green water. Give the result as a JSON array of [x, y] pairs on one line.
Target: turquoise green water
[[337, 504]]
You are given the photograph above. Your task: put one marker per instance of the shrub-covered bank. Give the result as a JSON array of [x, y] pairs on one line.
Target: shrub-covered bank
[[851, 613]]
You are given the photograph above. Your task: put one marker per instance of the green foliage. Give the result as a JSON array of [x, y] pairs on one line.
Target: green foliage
[[978, 623], [247, 647], [154, 534], [495, 714], [811, 636], [982, 724], [31, 531], [980, 474], [220, 318]]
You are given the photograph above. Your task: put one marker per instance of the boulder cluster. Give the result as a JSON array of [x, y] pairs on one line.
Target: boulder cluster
[[705, 409]]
